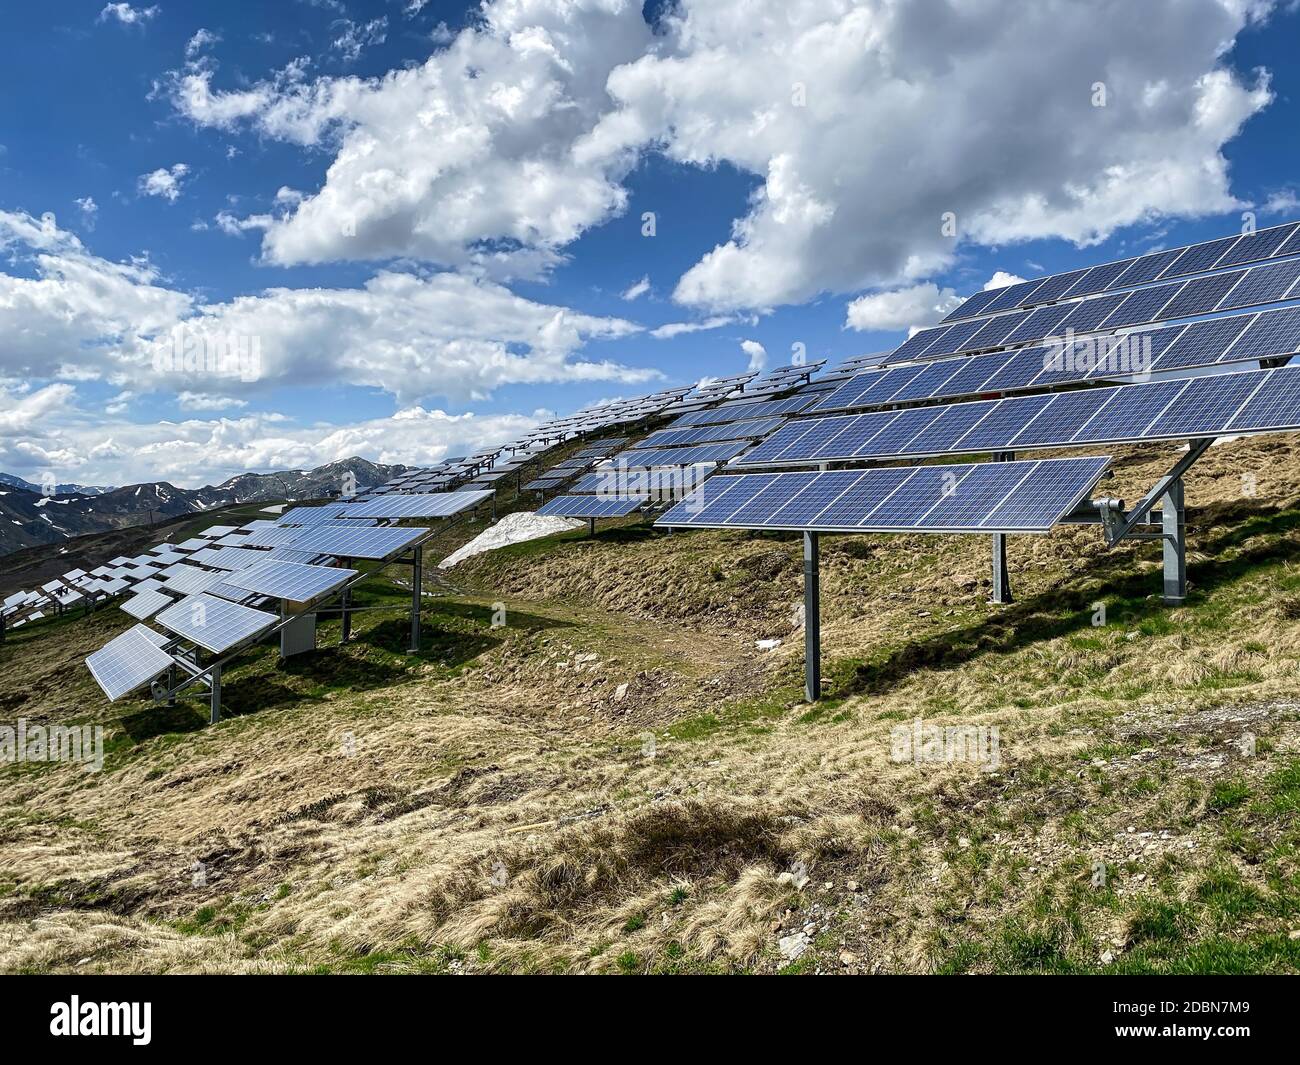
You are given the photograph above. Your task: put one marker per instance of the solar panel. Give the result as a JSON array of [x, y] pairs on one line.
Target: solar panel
[[1147, 268], [143, 605], [578, 506], [439, 505], [976, 304], [1012, 296], [1202, 343], [1271, 333], [682, 456], [228, 558], [541, 484], [1142, 305], [1264, 284], [311, 515], [1200, 296], [1098, 278], [1200, 257], [730, 412], [128, 661], [291, 580], [1260, 245], [1027, 496], [1056, 286], [1088, 315], [367, 543], [1042, 322], [750, 429], [189, 579], [214, 623]]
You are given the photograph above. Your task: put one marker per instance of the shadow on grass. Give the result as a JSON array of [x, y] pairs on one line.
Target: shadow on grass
[[1131, 598]]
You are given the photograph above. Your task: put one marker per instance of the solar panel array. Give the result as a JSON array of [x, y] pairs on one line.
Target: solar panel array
[[1276, 241], [1013, 497], [1255, 401], [128, 661], [588, 506], [214, 623], [291, 580]]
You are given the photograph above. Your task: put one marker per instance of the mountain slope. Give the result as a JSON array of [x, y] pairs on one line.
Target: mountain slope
[[28, 518]]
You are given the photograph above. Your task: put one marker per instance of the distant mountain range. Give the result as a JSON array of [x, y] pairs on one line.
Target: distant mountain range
[[28, 517], [60, 489]]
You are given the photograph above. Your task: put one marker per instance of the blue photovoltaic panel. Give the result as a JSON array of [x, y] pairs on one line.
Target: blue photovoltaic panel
[[849, 506], [214, 623], [974, 498], [1202, 343], [1126, 412], [1271, 333], [1277, 403], [928, 383], [311, 515], [1067, 413], [751, 429], [1264, 284], [291, 580], [891, 381], [1200, 296], [1206, 404], [1292, 245], [847, 394], [917, 343], [373, 543], [1018, 371], [953, 339], [145, 604], [1147, 268], [906, 506], [1002, 423], [1042, 322], [893, 437], [995, 331], [847, 436], [1057, 286], [1200, 257], [1012, 296], [190, 579], [1028, 496], [819, 493], [942, 433], [128, 661], [975, 371], [541, 484], [435, 505], [731, 412], [591, 506], [1142, 305], [1040, 495], [975, 304], [682, 456], [1256, 246], [1098, 278], [1089, 314]]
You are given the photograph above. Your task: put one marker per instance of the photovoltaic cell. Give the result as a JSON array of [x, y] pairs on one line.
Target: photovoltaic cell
[[291, 580], [591, 506], [1012, 296], [1142, 305], [1128, 411], [214, 623], [1264, 284], [1028, 496], [1200, 257], [1098, 278], [975, 304], [1200, 296], [1206, 404], [1147, 268], [1042, 322], [1256, 246], [1271, 333], [1002, 421], [143, 605], [1202, 343], [127, 661], [1089, 314], [1057, 286]]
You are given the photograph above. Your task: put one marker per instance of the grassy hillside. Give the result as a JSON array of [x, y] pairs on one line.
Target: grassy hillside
[[617, 780]]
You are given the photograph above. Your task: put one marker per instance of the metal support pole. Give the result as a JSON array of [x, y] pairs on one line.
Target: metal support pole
[[214, 714], [1001, 577], [1175, 543], [812, 621], [346, 602], [591, 526], [171, 685], [417, 582]]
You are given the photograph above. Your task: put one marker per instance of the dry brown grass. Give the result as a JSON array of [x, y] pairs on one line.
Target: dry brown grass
[[504, 816]]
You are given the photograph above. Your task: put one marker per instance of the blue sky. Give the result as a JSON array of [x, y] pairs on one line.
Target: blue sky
[[435, 212]]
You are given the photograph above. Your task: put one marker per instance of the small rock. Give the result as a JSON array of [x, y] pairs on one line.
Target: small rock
[[853, 885], [793, 946], [767, 645], [1107, 958], [847, 957], [1293, 934], [620, 693]]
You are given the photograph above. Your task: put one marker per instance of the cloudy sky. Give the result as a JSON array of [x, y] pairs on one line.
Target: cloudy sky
[[260, 236]]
